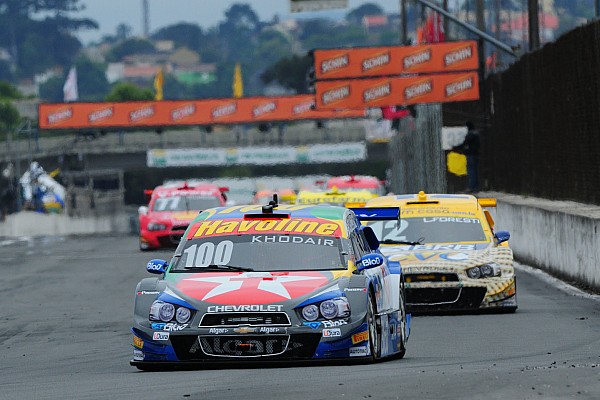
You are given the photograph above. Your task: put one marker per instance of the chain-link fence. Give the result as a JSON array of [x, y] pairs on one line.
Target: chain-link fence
[[416, 158]]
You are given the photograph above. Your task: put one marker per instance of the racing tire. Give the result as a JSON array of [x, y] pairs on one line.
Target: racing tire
[[404, 339], [374, 337]]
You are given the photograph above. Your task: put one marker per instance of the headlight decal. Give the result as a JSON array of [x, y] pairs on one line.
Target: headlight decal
[[169, 297], [327, 294]]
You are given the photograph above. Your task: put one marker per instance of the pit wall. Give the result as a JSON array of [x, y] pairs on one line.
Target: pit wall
[[560, 237]]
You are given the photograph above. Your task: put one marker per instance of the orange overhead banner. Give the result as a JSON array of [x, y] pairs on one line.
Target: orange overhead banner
[[364, 62], [185, 112], [381, 92]]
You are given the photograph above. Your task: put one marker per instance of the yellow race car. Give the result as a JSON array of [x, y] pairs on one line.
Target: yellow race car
[[452, 258], [335, 197]]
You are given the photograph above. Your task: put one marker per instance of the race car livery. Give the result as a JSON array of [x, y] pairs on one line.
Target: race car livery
[[356, 183], [335, 197], [278, 282], [171, 209], [451, 257]]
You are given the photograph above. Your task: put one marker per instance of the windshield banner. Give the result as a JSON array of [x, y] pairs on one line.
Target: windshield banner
[[304, 226]]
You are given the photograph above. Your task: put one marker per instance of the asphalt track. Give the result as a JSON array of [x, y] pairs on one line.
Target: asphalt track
[[66, 313]]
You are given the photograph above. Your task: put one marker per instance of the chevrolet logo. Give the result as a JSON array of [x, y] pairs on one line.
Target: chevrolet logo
[[244, 329]]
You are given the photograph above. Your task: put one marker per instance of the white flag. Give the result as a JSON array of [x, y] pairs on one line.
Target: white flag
[[70, 88]]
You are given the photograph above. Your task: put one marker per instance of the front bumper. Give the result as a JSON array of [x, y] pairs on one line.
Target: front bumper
[[160, 239]]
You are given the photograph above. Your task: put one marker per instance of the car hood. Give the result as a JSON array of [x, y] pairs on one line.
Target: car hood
[[437, 253], [249, 288]]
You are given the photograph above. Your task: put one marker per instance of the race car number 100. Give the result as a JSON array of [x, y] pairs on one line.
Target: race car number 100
[[208, 254]]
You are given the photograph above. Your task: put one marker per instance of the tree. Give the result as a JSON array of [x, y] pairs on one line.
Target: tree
[[9, 116], [52, 90], [9, 92], [355, 16], [91, 78], [129, 47], [290, 72], [126, 91], [123, 32], [182, 34], [240, 18]]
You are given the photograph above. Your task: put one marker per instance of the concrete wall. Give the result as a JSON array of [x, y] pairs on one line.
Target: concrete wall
[[560, 237], [30, 223]]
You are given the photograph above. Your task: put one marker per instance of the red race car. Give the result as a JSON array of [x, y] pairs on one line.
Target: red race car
[[171, 209], [357, 182]]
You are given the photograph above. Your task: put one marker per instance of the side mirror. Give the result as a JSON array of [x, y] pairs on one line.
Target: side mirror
[[501, 237], [371, 237], [143, 210], [157, 266], [370, 261]]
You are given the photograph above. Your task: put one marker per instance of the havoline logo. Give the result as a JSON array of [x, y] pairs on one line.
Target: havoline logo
[[334, 63], [457, 56], [377, 92], [418, 89], [337, 94], [458, 87]]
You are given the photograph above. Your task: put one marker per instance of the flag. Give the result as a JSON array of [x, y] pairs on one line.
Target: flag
[[238, 85], [70, 92], [158, 85]]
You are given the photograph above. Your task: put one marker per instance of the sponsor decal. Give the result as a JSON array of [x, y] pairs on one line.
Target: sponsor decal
[[141, 114], [372, 261], [270, 329], [138, 355], [334, 64], [60, 116], [311, 226], [377, 92], [360, 337], [224, 110], [261, 288], [100, 115], [313, 325], [414, 60], [376, 62], [456, 88], [337, 94], [359, 351], [452, 219], [355, 290], [137, 342], [183, 112], [335, 332], [291, 239], [418, 89], [263, 109], [169, 327], [303, 108], [218, 331], [333, 324], [262, 329], [160, 336], [457, 56], [144, 292], [244, 329], [245, 308], [154, 267]]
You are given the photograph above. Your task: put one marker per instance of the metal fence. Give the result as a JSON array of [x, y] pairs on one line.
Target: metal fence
[[417, 161]]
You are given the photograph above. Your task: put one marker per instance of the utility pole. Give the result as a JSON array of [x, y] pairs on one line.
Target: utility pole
[[146, 16], [534, 24], [597, 8], [446, 22], [404, 27]]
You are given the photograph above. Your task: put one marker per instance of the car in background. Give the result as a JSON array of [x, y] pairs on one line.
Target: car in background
[[285, 196], [171, 209], [335, 197], [356, 183], [451, 257], [277, 282]]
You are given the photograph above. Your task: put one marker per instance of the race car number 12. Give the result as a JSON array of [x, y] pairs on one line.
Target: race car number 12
[[207, 254]]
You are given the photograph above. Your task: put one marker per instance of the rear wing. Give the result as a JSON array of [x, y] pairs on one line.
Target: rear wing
[[486, 202], [377, 213]]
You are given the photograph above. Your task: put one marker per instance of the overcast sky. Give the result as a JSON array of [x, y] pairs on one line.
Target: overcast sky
[[206, 13]]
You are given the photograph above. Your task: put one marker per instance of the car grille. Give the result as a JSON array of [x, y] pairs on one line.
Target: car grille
[[280, 347], [235, 319], [169, 241], [179, 228], [433, 277], [432, 295]]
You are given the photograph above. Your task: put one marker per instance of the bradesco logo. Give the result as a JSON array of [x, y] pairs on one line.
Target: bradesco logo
[[307, 226], [60, 116], [334, 64], [458, 55], [459, 87]]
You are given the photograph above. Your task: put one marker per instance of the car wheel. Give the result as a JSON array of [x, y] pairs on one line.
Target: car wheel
[[374, 338]]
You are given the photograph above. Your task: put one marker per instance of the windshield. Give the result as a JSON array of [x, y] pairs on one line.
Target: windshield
[[185, 203], [430, 230], [270, 252]]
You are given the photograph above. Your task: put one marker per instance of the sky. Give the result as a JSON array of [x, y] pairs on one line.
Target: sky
[[206, 13]]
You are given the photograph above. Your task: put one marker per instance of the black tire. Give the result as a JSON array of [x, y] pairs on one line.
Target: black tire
[[374, 337]]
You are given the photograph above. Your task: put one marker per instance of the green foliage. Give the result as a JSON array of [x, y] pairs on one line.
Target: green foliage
[[355, 16], [129, 47], [182, 34], [290, 72], [126, 91], [9, 92], [91, 80], [9, 116], [51, 91]]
